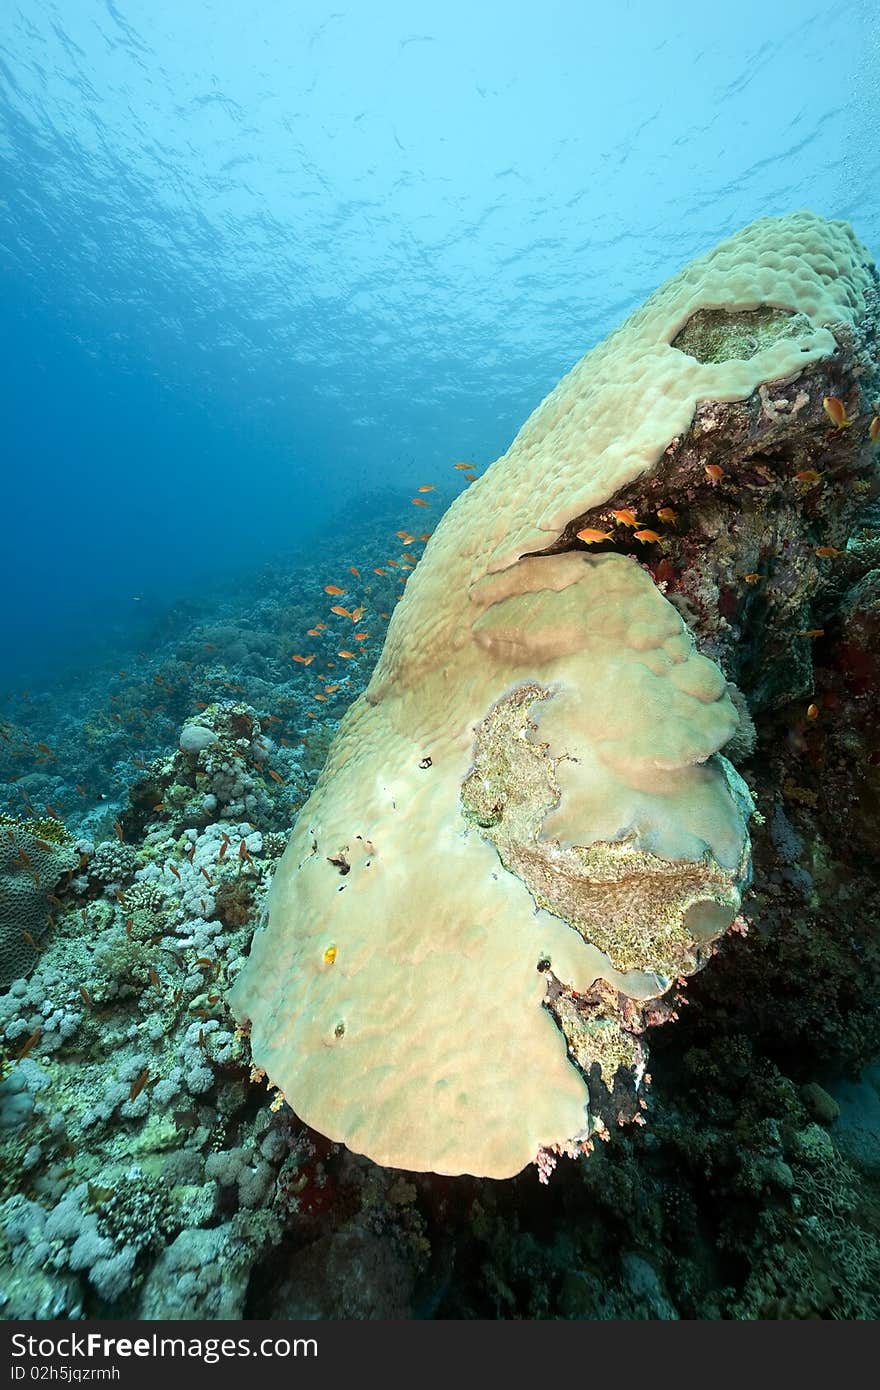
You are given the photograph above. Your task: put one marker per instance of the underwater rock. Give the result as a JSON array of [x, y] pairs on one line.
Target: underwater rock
[[350, 1274], [821, 1105], [526, 829]]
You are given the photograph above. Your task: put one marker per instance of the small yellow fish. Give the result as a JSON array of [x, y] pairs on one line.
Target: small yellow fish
[[714, 471], [592, 537], [626, 518], [668, 515], [836, 411], [330, 955], [647, 536]]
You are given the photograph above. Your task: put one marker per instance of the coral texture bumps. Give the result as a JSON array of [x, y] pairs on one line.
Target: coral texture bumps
[[531, 795]]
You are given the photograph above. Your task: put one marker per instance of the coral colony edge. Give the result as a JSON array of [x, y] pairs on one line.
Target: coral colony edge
[[587, 870]]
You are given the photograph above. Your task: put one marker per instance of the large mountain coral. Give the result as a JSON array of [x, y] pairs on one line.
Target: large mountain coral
[[526, 829]]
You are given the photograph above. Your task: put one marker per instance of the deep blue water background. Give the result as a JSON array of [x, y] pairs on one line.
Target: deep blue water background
[[264, 263]]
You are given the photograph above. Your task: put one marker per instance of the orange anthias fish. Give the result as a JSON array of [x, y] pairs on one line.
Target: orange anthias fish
[[874, 429], [647, 536], [381, 572], [836, 411], [405, 537], [333, 589], [668, 515], [427, 487], [358, 613], [313, 632], [342, 612], [827, 552], [811, 632], [462, 466], [714, 471], [353, 569], [590, 536], [426, 535], [347, 655], [303, 660], [807, 475], [418, 501], [754, 578], [626, 518], [361, 636]]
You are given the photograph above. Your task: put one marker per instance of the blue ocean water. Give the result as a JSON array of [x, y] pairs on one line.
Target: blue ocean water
[[265, 265]]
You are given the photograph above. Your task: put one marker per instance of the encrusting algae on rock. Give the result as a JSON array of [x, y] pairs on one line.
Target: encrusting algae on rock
[[539, 829]]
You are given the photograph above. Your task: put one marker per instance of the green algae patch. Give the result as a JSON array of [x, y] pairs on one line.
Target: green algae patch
[[720, 335]]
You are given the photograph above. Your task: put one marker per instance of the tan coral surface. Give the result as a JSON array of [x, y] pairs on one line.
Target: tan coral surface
[[615, 847]]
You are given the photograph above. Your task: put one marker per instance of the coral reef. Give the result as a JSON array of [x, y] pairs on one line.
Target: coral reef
[[149, 1170]]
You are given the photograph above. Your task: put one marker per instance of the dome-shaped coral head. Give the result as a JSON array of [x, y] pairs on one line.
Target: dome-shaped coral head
[[538, 830]]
